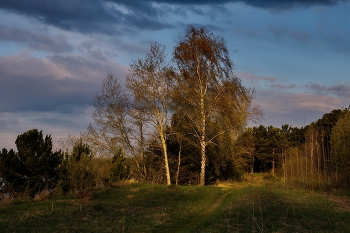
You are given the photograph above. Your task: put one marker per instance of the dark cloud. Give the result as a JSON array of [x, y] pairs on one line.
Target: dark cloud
[[69, 15], [61, 84], [36, 41], [284, 4], [281, 86], [97, 54], [288, 4], [316, 87], [258, 3], [45, 93], [56, 121], [342, 91], [126, 16], [282, 32], [54, 94], [90, 15]]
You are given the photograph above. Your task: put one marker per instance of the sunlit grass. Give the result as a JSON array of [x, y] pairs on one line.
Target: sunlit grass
[[257, 204]]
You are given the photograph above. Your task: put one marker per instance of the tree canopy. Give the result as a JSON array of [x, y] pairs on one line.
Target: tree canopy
[[34, 167], [206, 89]]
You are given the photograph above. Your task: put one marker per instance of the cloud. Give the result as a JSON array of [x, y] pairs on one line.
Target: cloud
[[257, 3], [283, 32], [253, 77], [54, 94], [291, 108], [266, 4], [287, 103], [281, 86], [36, 41], [44, 93], [89, 16], [97, 54], [288, 4], [300, 36], [116, 17], [75, 14], [57, 84], [59, 125], [342, 90]]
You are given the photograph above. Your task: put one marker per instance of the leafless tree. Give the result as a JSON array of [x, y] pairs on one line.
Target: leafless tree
[[117, 126]]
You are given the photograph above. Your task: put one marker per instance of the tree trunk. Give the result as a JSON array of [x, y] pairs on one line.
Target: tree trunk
[[202, 142], [166, 161], [178, 165], [273, 161], [203, 161]]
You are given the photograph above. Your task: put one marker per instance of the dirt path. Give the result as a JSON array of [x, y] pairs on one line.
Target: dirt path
[[343, 203], [204, 214]]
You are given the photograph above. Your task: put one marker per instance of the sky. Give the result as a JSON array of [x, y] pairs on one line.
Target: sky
[[54, 55]]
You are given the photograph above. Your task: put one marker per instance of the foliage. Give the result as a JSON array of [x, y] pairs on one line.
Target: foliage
[[77, 174], [267, 148], [206, 91], [81, 170], [150, 82], [340, 150], [223, 162], [317, 162], [202, 90], [34, 167], [119, 169], [245, 148], [325, 126]]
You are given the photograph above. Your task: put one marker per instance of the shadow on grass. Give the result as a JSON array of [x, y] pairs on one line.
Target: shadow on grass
[[261, 209], [159, 208]]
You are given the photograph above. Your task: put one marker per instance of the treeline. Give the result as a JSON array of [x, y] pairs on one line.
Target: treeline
[[36, 168], [316, 156]]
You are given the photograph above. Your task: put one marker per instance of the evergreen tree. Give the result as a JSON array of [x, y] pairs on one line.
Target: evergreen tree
[[34, 167], [77, 170]]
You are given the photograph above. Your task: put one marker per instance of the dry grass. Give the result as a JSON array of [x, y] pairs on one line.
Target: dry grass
[[342, 202], [44, 195]]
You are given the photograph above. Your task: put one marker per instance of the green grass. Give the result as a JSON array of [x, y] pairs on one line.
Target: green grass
[[259, 209], [237, 207]]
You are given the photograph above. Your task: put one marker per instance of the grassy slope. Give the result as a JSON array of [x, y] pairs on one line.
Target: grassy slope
[[237, 207]]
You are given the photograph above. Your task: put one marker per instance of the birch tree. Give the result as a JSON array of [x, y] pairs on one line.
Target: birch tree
[[149, 81], [206, 88], [118, 127]]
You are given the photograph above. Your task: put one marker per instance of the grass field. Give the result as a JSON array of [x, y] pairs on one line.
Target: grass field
[[249, 206]]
